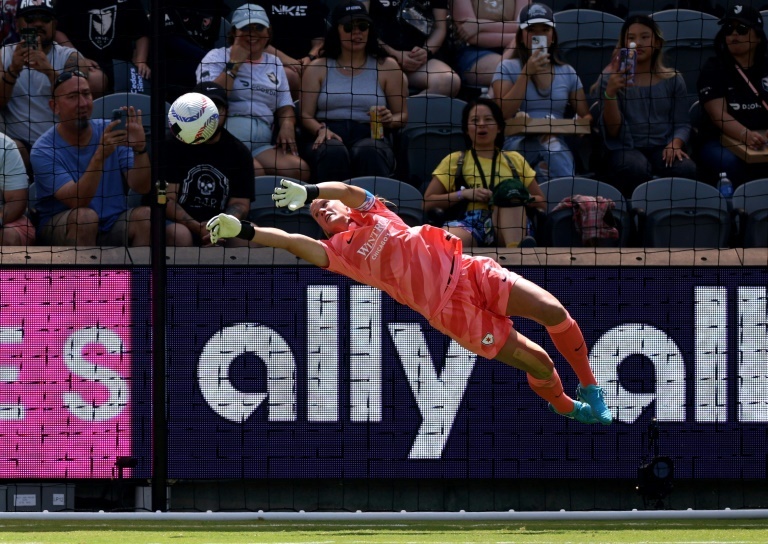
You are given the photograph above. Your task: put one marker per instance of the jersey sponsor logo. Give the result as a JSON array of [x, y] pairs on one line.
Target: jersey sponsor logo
[[488, 340], [735, 106], [273, 78], [764, 82], [101, 27], [291, 11]]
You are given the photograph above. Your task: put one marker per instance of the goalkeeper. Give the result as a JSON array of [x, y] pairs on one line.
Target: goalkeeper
[[467, 298]]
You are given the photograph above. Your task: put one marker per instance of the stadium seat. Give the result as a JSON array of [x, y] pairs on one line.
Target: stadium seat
[[264, 213], [750, 207], [587, 40], [432, 132], [407, 199], [558, 229], [628, 8], [680, 212], [690, 41], [103, 106], [764, 14]]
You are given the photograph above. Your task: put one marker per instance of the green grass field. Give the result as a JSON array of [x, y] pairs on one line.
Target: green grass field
[[239, 532]]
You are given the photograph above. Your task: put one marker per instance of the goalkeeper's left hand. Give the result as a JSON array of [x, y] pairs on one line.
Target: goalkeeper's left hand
[[223, 226], [290, 194]]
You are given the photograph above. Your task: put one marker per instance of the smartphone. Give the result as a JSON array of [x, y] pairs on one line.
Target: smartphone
[[29, 36], [627, 61], [539, 42], [119, 115]]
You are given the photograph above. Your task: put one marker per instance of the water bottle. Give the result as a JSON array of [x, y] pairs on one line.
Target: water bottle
[[726, 189]]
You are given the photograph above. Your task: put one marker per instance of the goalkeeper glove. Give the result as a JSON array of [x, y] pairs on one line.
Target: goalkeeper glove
[[229, 226], [294, 195]]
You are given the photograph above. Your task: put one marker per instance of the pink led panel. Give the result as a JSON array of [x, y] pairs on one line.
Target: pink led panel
[[65, 369]]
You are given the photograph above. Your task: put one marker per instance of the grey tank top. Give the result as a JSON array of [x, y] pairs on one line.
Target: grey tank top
[[349, 98]]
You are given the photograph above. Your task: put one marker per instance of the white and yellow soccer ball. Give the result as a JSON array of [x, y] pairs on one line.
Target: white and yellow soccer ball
[[193, 118]]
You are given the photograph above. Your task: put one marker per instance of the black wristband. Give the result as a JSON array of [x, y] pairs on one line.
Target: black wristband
[[247, 232], [313, 191]]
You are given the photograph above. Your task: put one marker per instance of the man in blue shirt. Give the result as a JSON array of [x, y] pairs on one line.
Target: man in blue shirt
[[83, 168]]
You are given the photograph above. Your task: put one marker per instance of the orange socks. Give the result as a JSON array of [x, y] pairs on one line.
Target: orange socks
[[551, 390], [570, 342]]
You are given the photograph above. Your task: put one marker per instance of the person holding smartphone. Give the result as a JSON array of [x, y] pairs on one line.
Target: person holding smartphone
[[643, 116], [28, 70], [536, 83]]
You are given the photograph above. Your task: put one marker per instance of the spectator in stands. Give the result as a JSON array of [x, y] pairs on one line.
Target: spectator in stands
[[204, 180], [488, 31], [258, 93], [15, 227], [645, 123], [108, 33], [192, 28], [538, 84], [483, 167], [733, 96], [80, 167], [298, 29], [339, 89], [27, 74], [415, 46]]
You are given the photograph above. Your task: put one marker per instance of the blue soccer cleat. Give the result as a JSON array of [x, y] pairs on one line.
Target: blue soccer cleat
[[593, 396], [581, 412]]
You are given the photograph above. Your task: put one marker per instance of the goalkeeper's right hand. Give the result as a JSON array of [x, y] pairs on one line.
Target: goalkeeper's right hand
[[291, 194], [223, 226]]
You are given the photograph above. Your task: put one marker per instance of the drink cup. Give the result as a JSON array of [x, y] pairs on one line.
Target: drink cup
[[377, 128]]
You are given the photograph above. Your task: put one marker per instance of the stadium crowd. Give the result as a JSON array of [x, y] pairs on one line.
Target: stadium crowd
[[318, 90]]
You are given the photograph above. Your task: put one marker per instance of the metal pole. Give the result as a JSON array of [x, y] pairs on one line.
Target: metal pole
[[159, 419]]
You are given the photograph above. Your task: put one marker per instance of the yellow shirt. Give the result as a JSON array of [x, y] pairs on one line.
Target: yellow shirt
[[446, 172]]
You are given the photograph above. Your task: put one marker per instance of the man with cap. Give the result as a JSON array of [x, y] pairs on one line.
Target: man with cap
[[28, 70], [734, 96], [207, 179]]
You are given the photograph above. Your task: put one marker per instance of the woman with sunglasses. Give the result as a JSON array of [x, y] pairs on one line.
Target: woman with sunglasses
[[733, 97], [258, 93], [644, 122], [352, 80]]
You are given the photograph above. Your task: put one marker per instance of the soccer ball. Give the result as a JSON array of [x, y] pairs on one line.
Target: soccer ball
[[193, 118]]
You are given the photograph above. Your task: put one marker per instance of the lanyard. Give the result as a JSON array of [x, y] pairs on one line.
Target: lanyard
[[757, 94], [480, 168]]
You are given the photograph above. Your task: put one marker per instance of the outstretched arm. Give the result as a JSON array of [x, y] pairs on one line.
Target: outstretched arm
[[304, 247], [295, 195]]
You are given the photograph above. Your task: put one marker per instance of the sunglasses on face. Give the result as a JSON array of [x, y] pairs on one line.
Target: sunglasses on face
[[45, 19], [66, 76], [740, 28], [362, 26]]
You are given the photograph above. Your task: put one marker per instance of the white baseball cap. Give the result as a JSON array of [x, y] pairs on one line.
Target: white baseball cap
[[249, 14]]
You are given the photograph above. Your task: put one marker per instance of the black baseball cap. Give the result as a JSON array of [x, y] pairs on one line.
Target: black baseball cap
[[27, 7], [349, 10], [742, 13], [214, 91]]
